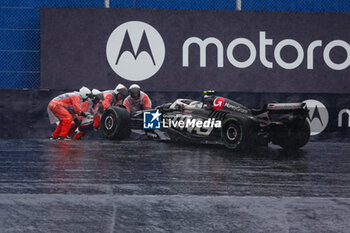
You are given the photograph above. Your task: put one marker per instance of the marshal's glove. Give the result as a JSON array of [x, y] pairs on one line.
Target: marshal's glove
[[76, 121], [83, 114], [101, 108]]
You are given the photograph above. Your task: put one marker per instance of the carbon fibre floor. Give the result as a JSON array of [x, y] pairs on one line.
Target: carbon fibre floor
[[148, 186]]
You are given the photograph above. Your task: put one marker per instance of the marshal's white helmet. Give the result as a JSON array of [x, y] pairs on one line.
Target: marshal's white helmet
[[84, 92], [134, 88], [120, 88], [96, 94]]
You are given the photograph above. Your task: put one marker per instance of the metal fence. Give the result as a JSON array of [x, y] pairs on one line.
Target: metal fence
[[20, 39], [297, 5], [20, 26]]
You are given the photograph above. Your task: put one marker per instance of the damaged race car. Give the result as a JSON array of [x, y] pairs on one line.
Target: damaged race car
[[215, 120]]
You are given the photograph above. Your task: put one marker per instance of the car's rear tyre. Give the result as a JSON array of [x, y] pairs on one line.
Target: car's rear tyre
[[294, 138], [232, 133], [115, 123]]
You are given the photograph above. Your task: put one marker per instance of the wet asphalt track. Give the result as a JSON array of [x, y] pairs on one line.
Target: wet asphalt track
[[148, 186]]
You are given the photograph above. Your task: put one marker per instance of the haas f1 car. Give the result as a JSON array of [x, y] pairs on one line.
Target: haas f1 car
[[216, 120]]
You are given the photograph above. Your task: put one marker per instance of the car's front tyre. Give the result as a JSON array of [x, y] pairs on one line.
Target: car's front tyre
[[115, 123], [232, 133]]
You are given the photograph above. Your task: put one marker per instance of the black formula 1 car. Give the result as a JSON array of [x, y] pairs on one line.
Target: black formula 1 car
[[216, 120]]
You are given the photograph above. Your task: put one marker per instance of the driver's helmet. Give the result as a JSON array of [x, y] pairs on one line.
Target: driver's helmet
[[208, 99], [84, 92], [134, 90]]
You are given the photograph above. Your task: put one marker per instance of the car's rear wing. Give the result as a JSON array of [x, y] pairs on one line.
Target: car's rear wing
[[285, 106]]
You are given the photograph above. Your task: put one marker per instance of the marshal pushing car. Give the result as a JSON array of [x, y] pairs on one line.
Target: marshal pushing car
[[215, 120]]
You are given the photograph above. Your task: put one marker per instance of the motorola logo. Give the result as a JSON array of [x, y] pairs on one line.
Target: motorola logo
[[135, 51], [264, 45], [318, 116]]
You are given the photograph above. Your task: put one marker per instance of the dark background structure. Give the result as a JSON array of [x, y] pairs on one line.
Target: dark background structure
[[20, 26]]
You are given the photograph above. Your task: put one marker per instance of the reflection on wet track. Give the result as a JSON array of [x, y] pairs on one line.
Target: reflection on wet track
[[148, 186]]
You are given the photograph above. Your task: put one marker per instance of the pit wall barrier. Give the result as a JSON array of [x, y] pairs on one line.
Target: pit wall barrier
[[24, 112]]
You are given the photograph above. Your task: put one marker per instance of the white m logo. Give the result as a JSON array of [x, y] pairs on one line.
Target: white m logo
[[135, 51]]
